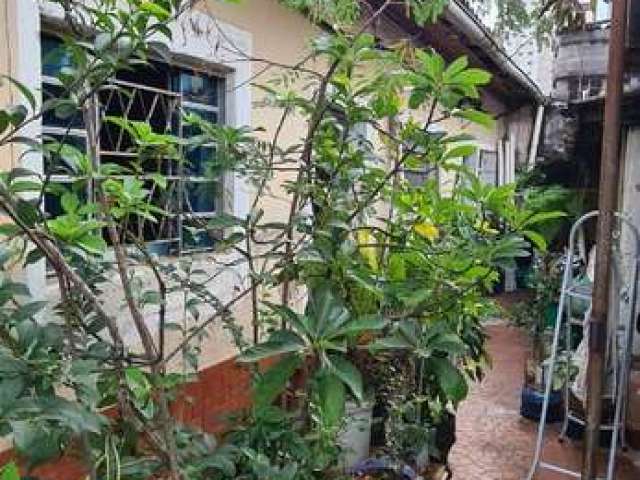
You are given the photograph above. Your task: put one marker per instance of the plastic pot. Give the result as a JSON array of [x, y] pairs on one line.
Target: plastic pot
[[371, 466], [355, 436]]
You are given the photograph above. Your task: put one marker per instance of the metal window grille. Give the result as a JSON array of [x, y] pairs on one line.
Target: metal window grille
[[158, 97]]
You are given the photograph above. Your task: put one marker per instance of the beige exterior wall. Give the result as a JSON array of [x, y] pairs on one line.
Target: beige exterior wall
[[280, 36], [277, 34], [7, 51]]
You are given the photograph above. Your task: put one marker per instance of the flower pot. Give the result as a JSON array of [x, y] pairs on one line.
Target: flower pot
[[531, 405], [355, 436], [378, 466]]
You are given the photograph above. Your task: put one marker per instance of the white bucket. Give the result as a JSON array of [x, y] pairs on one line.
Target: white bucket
[[355, 436]]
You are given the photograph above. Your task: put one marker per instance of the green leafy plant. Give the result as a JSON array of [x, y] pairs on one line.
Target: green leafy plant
[[410, 280], [319, 338]]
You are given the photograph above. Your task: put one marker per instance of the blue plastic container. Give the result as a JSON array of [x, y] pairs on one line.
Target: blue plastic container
[[531, 405]]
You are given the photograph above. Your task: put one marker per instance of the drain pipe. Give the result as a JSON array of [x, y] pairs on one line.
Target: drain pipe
[[607, 203], [535, 137]]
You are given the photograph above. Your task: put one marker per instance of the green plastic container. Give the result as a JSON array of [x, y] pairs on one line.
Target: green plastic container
[[550, 314]]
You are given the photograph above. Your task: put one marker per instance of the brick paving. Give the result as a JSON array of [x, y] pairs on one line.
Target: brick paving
[[493, 441]]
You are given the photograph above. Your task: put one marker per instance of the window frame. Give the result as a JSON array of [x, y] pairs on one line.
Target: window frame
[[175, 67]]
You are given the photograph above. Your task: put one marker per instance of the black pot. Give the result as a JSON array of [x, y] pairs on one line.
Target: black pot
[[532, 401]]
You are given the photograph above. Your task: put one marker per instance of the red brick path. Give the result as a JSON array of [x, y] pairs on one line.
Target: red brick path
[[493, 441]]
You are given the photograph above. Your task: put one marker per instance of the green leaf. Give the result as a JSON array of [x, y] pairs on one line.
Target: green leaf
[[461, 151], [65, 108], [22, 186], [289, 316], [4, 120], [447, 342], [325, 312], [36, 443], [224, 220], [11, 289], [393, 342], [93, 244], [476, 116], [10, 472], [27, 212], [28, 310], [537, 239], [284, 342], [160, 180], [9, 229], [542, 217], [331, 393], [221, 461], [230, 240], [271, 383], [349, 374], [155, 10], [137, 382], [455, 67], [141, 388], [24, 90], [70, 202], [451, 381], [72, 415], [362, 324]]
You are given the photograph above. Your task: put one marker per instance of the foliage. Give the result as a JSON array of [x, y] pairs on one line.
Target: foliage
[[408, 281], [532, 314]]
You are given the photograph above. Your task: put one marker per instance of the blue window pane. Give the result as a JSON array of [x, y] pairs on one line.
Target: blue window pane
[[196, 87], [51, 118], [200, 161], [54, 57], [200, 197], [194, 236]]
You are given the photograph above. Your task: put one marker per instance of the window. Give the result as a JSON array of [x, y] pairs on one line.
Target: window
[[157, 94], [485, 165], [418, 178], [418, 171], [586, 86]]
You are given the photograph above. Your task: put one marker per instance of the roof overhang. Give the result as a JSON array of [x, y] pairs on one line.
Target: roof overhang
[[459, 32]]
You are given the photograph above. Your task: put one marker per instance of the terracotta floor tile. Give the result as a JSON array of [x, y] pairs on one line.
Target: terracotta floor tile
[[493, 441]]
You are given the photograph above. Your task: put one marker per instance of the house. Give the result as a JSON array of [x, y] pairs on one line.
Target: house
[[218, 50]]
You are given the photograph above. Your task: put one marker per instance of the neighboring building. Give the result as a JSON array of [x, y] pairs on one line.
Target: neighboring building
[[580, 63], [572, 145], [209, 73]]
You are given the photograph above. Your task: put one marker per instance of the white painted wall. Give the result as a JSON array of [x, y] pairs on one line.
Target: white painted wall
[[630, 206]]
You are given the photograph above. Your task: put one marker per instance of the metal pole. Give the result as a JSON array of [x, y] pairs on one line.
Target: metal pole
[[607, 202]]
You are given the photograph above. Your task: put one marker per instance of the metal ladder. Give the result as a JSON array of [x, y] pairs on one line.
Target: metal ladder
[[620, 360]]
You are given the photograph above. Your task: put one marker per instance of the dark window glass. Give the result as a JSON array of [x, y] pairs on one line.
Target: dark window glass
[[200, 160], [153, 74], [196, 87], [200, 197], [418, 178], [53, 118], [54, 58], [146, 94]]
